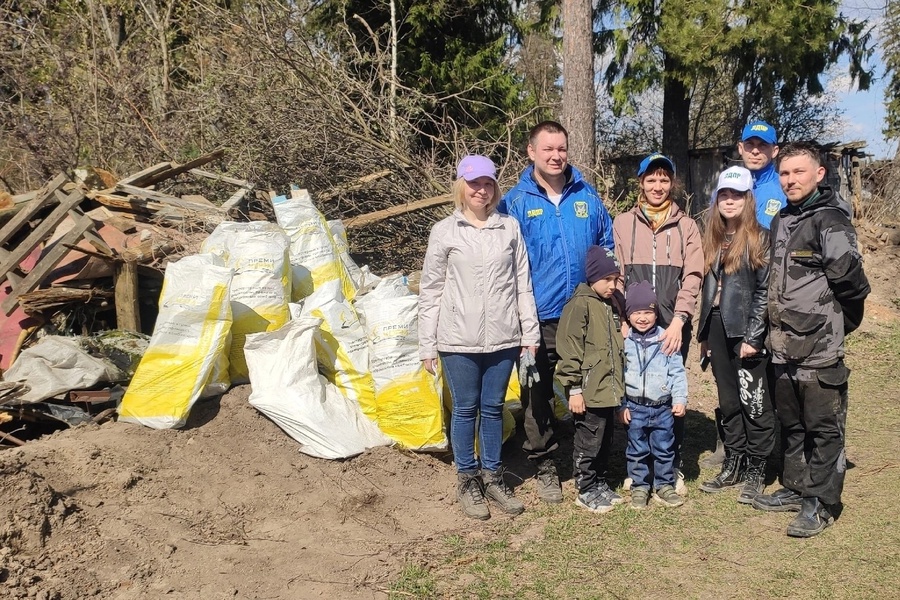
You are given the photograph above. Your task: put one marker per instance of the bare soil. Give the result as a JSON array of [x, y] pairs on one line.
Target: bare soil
[[229, 508]]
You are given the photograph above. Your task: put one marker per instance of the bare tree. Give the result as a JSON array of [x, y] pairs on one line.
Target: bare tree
[[579, 102]]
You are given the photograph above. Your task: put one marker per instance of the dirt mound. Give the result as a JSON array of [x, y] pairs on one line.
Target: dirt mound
[[226, 507]]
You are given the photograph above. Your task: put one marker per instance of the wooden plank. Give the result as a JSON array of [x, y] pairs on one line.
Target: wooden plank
[[148, 172], [129, 203], [99, 243], [128, 315], [44, 195], [167, 199], [46, 264], [236, 198], [178, 169], [23, 249], [223, 178], [381, 215]]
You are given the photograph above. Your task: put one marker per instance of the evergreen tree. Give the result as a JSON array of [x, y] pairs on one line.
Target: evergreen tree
[[777, 50]]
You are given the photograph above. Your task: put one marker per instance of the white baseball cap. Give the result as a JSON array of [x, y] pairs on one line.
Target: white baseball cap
[[738, 179]]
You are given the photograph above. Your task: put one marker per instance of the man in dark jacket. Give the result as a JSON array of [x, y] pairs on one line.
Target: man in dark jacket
[[817, 288]]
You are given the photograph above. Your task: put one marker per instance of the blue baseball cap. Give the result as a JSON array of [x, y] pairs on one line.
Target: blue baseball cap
[[761, 130], [656, 157]]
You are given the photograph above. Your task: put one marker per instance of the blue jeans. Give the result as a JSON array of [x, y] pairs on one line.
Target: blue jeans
[[651, 438], [478, 382]]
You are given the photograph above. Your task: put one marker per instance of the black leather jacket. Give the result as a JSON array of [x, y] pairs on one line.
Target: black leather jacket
[[742, 302]]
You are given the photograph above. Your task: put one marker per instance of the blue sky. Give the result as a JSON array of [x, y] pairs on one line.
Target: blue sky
[[863, 111]]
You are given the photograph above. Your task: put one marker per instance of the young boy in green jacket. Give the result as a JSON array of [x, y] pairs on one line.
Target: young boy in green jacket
[[590, 368]]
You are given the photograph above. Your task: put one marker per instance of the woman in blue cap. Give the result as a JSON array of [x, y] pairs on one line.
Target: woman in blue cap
[[477, 313], [658, 243]]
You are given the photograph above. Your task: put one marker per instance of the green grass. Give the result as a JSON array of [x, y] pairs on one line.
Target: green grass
[[712, 547]]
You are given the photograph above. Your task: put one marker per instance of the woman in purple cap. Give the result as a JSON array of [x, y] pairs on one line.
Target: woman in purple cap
[[477, 314], [732, 332]]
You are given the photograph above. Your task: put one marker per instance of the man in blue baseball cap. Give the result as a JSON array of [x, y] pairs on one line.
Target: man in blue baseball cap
[[758, 148]]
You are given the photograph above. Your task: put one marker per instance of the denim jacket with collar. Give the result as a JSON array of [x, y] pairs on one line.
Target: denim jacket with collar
[[651, 377]]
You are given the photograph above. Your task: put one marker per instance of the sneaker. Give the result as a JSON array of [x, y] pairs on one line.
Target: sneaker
[[470, 493], [595, 501], [626, 485], [611, 496], [496, 490], [680, 487], [668, 497], [548, 489], [639, 498]]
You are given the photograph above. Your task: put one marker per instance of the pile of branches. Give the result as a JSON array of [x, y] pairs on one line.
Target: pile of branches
[[244, 77]]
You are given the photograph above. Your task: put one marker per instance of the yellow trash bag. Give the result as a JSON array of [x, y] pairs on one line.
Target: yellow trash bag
[[190, 333], [408, 405], [261, 287], [315, 263], [342, 353]]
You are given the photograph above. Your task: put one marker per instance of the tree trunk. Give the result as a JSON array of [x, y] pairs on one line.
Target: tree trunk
[[676, 123], [579, 102]]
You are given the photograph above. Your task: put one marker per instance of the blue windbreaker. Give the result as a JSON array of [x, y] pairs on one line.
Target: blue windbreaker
[[770, 198], [557, 239]]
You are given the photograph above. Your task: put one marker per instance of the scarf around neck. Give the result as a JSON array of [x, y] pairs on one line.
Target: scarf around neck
[[657, 215]]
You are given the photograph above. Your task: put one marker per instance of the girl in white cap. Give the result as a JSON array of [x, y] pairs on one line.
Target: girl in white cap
[[732, 331]]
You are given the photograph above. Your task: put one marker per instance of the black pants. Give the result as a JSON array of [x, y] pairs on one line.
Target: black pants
[[748, 419], [593, 440], [538, 400], [812, 407]]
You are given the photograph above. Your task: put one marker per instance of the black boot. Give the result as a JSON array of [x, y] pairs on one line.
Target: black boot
[[754, 480], [783, 500], [732, 474], [812, 520]]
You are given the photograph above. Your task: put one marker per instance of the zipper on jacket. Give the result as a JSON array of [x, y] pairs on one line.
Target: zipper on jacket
[[612, 360], [562, 237]]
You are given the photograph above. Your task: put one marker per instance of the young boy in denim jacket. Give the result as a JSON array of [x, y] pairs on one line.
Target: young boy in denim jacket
[[589, 342], [655, 393]]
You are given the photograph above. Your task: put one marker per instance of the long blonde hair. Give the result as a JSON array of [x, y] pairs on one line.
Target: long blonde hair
[[458, 193], [748, 239]]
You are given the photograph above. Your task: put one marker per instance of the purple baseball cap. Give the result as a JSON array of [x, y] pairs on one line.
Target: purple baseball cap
[[474, 166]]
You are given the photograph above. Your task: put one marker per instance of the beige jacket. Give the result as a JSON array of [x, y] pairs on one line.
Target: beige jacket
[[475, 293]]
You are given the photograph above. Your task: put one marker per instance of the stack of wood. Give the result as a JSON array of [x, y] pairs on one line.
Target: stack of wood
[[144, 227]]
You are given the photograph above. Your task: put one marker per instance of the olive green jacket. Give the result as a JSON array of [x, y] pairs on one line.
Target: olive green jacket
[[591, 349]]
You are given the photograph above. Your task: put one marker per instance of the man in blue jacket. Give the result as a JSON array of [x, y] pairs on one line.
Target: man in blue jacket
[[561, 216], [758, 148]]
